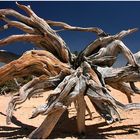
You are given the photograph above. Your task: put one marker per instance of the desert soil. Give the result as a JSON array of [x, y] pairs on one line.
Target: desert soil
[[96, 128]]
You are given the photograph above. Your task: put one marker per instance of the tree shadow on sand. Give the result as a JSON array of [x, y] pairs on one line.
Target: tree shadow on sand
[[23, 130], [66, 127]]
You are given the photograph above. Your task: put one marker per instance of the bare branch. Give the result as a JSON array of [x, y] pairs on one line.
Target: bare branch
[[125, 33], [28, 90], [27, 9], [66, 26], [35, 25], [104, 41], [11, 12], [22, 37], [19, 25], [112, 50], [124, 74]]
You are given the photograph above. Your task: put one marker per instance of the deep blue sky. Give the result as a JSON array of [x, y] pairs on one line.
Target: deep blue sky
[[112, 17]]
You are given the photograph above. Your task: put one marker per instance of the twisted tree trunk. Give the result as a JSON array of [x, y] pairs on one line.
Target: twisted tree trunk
[[70, 77]]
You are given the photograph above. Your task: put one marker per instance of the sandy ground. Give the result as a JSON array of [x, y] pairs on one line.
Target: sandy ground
[[96, 128]]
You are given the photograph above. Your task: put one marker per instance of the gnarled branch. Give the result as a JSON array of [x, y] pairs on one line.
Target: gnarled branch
[[41, 62]]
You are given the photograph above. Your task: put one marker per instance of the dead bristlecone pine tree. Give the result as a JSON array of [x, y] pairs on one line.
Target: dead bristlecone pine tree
[[70, 77]]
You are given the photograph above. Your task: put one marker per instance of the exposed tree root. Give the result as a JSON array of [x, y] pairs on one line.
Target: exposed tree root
[[70, 77]]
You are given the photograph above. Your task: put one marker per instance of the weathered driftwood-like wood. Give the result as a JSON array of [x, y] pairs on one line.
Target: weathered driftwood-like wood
[[97, 96], [62, 95], [132, 85], [123, 74], [44, 130], [35, 62], [100, 98], [134, 88], [104, 103], [103, 41], [119, 77], [81, 108], [66, 26], [38, 32], [38, 84], [112, 50], [137, 56], [71, 77]]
